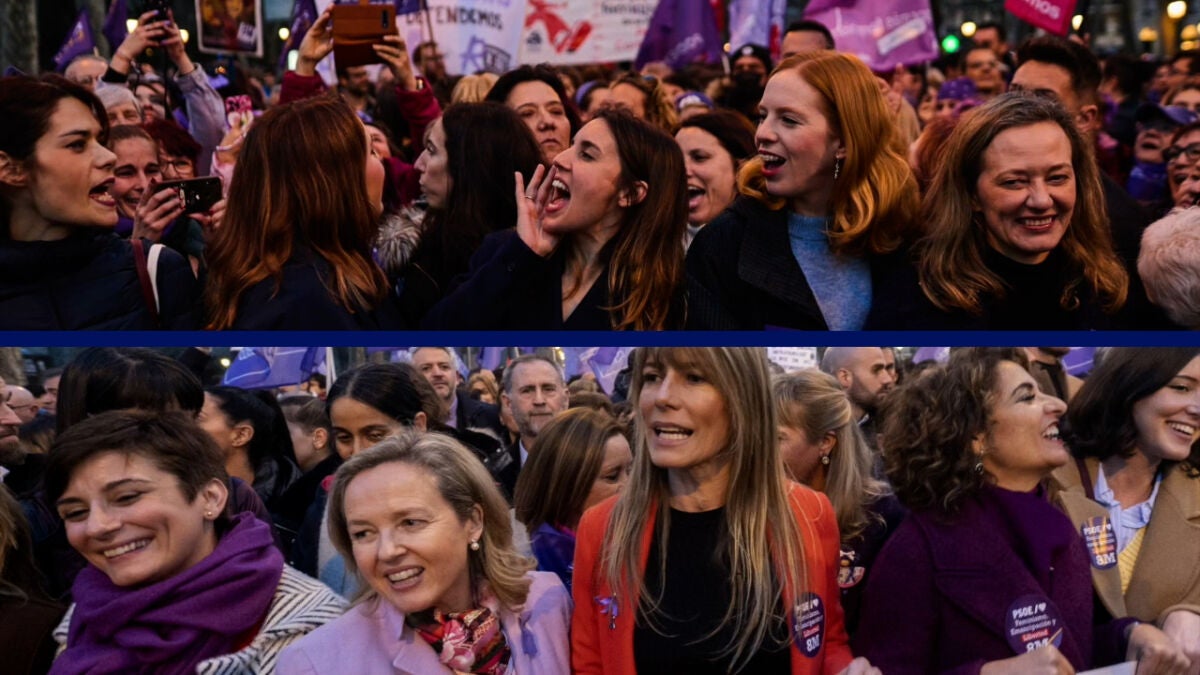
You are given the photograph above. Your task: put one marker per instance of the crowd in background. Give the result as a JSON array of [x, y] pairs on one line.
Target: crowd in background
[[1003, 187], [713, 513]]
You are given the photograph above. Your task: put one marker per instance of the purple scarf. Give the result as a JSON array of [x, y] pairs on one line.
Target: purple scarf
[[172, 625]]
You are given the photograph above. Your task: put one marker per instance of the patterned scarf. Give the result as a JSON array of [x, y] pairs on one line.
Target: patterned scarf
[[467, 642]]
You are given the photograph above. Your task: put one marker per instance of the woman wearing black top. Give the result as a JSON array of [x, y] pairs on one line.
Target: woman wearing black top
[[1016, 233]]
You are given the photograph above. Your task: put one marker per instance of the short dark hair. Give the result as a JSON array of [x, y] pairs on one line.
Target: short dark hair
[[171, 440], [26, 105], [1100, 420], [815, 27], [1193, 58], [731, 129], [543, 72], [100, 379], [929, 423], [1081, 64], [1000, 32]]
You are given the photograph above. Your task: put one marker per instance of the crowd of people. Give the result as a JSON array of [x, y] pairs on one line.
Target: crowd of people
[[998, 188], [987, 513]]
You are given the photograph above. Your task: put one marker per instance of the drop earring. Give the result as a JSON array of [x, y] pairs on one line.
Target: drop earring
[[837, 168]]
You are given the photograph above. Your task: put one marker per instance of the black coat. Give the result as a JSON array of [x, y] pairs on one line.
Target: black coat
[[1031, 302], [302, 301], [473, 414], [509, 287], [89, 281], [742, 274]]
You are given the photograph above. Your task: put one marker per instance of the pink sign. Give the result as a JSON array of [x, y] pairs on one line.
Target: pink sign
[[1051, 15]]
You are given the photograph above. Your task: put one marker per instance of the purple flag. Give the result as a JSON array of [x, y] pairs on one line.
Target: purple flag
[[757, 22], [79, 41], [883, 33], [263, 367], [1079, 361], [304, 15], [606, 363], [681, 32], [114, 24]]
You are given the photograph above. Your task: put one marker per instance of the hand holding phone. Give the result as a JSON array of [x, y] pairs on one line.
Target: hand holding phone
[[196, 194]]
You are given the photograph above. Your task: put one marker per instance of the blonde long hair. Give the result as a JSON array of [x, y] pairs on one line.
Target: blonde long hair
[[765, 550], [875, 200], [465, 484], [814, 402]]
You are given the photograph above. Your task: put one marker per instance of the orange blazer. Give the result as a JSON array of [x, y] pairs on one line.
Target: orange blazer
[[602, 627]]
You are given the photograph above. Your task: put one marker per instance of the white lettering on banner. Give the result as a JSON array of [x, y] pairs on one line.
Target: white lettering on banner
[[1044, 7], [906, 33], [693, 41]]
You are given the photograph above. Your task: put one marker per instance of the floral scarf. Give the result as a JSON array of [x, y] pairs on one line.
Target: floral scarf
[[467, 642]]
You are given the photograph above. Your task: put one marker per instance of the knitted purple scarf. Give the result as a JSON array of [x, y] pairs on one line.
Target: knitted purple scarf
[[172, 625]]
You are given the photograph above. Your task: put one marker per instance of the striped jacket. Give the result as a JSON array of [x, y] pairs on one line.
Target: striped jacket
[[301, 604]]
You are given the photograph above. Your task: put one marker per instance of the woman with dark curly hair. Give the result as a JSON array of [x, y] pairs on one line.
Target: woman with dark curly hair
[[988, 575], [1134, 488]]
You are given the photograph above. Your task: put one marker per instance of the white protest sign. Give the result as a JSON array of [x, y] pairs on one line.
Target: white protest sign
[[584, 31], [475, 35]]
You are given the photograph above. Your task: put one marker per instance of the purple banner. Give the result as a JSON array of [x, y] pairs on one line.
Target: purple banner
[[883, 33], [263, 367], [79, 41], [114, 24], [681, 32], [304, 15]]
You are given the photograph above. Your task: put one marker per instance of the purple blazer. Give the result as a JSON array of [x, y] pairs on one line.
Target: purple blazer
[[958, 587], [372, 639]]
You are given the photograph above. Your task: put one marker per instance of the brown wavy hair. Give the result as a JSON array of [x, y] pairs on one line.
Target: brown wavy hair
[[930, 422], [950, 256], [563, 463], [645, 257], [300, 180], [875, 200]]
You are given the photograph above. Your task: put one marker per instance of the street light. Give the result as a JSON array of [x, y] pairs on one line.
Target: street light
[[1189, 32], [1147, 34], [184, 35], [1077, 21], [284, 33], [1177, 9], [968, 29]]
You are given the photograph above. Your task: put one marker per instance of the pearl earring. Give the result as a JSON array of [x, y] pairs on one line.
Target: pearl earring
[[474, 546]]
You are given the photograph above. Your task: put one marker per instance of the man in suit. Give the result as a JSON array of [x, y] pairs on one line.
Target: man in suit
[[439, 365], [535, 390]]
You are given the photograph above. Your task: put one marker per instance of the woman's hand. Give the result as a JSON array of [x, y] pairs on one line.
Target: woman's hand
[[1155, 652], [316, 45], [172, 42], [860, 666], [210, 221], [231, 143], [531, 206], [394, 53], [155, 211], [1041, 661], [147, 34], [1183, 627]]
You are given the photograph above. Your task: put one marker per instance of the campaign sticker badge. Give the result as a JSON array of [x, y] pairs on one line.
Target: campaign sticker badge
[[809, 624], [1101, 541], [849, 574], [1033, 621]]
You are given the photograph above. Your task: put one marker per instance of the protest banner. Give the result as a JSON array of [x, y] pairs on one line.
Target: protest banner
[[1050, 15], [883, 33], [475, 35], [230, 26], [584, 31], [681, 32]]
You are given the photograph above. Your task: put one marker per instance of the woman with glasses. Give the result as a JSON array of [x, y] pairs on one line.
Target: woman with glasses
[[1181, 158]]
